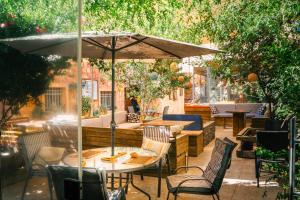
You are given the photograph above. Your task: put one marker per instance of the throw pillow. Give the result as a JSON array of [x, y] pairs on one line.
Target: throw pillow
[[213, 109], [133, 118], [261, 110], [153, 145]]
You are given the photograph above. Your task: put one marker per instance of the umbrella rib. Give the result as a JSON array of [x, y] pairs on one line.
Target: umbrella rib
[[168, 52], [46, 47], [94, 42], [133, 43]]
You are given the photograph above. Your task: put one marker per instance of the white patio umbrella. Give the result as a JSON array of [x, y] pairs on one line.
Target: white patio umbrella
[[107, 46]]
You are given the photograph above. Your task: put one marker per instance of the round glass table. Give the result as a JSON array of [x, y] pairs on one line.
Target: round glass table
[[124, 163]]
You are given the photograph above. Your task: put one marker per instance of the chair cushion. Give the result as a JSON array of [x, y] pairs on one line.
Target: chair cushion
[[196, 186], [49, 155]]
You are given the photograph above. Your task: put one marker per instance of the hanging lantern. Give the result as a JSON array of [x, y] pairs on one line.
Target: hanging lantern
[[252, 77], [153, 76], [181, 79], [174, 67]]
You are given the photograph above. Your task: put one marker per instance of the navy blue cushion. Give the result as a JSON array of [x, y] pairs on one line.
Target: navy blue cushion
[[197, 125]]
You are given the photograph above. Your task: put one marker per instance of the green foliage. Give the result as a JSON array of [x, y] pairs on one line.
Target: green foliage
[[137, 78], [165, 18], [24, 77], [86, 105], [258, 37], [280, 170], [26, 17]]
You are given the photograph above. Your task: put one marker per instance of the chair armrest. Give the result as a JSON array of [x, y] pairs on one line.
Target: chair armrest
[[272, 161], [188, 167], [192, 179]]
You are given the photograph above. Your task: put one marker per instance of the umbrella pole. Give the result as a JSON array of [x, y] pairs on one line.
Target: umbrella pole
[[113, 123]]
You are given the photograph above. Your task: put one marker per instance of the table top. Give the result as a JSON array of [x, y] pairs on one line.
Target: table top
[[124, 163], [238, 111], [160, 122]]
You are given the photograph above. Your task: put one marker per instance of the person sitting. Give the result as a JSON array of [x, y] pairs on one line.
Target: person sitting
[[135, 105]]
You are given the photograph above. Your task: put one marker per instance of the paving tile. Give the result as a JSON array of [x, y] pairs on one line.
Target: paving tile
[[239, 182]]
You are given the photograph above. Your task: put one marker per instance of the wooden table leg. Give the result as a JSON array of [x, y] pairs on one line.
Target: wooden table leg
[[239, 122]]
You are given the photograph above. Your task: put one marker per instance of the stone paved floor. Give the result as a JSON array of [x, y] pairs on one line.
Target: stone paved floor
[[239, 182]]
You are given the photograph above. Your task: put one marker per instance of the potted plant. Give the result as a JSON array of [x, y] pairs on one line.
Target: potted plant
[[86, 106]]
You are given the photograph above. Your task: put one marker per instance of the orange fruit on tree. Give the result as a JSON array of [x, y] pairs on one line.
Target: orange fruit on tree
[[181, 79], [252, 77], [174, 67]]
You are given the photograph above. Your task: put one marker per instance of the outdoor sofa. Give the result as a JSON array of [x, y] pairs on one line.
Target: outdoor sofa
[[223, 118], [103, 121]]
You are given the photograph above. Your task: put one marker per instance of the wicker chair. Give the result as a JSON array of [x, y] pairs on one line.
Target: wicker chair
[[67, 185], [160, 134], [37, 153], [64, 135], [210, 182]]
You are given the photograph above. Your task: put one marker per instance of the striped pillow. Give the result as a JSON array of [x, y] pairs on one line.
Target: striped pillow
[[213, 109]]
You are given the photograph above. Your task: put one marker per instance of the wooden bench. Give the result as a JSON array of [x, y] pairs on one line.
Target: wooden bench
[[196, 142]]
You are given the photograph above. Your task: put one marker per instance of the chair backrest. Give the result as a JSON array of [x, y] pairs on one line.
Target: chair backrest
[[31, 143], [272, 140], [64, 135], [93, 183], [197, 125], [131, 109], [226, 139], [166, 110], [157, 133], [220, 159]]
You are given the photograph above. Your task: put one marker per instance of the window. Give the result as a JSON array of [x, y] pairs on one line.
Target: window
[[106, 99], [53, 99]]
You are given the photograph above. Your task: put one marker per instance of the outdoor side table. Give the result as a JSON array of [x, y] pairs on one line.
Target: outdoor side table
[[238, 120], [121, 165]]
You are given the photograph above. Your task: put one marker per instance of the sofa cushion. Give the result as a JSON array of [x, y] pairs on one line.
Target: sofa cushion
[[251, 114], [129, 125], [197, 125], [222, 115], [222, 108], [251, 107]]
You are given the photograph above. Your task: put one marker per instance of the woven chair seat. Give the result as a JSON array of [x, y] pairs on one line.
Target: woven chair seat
[[195, 186]]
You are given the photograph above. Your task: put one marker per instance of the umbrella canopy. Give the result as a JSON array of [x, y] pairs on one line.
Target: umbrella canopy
[[107, 46], [98, 45]]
